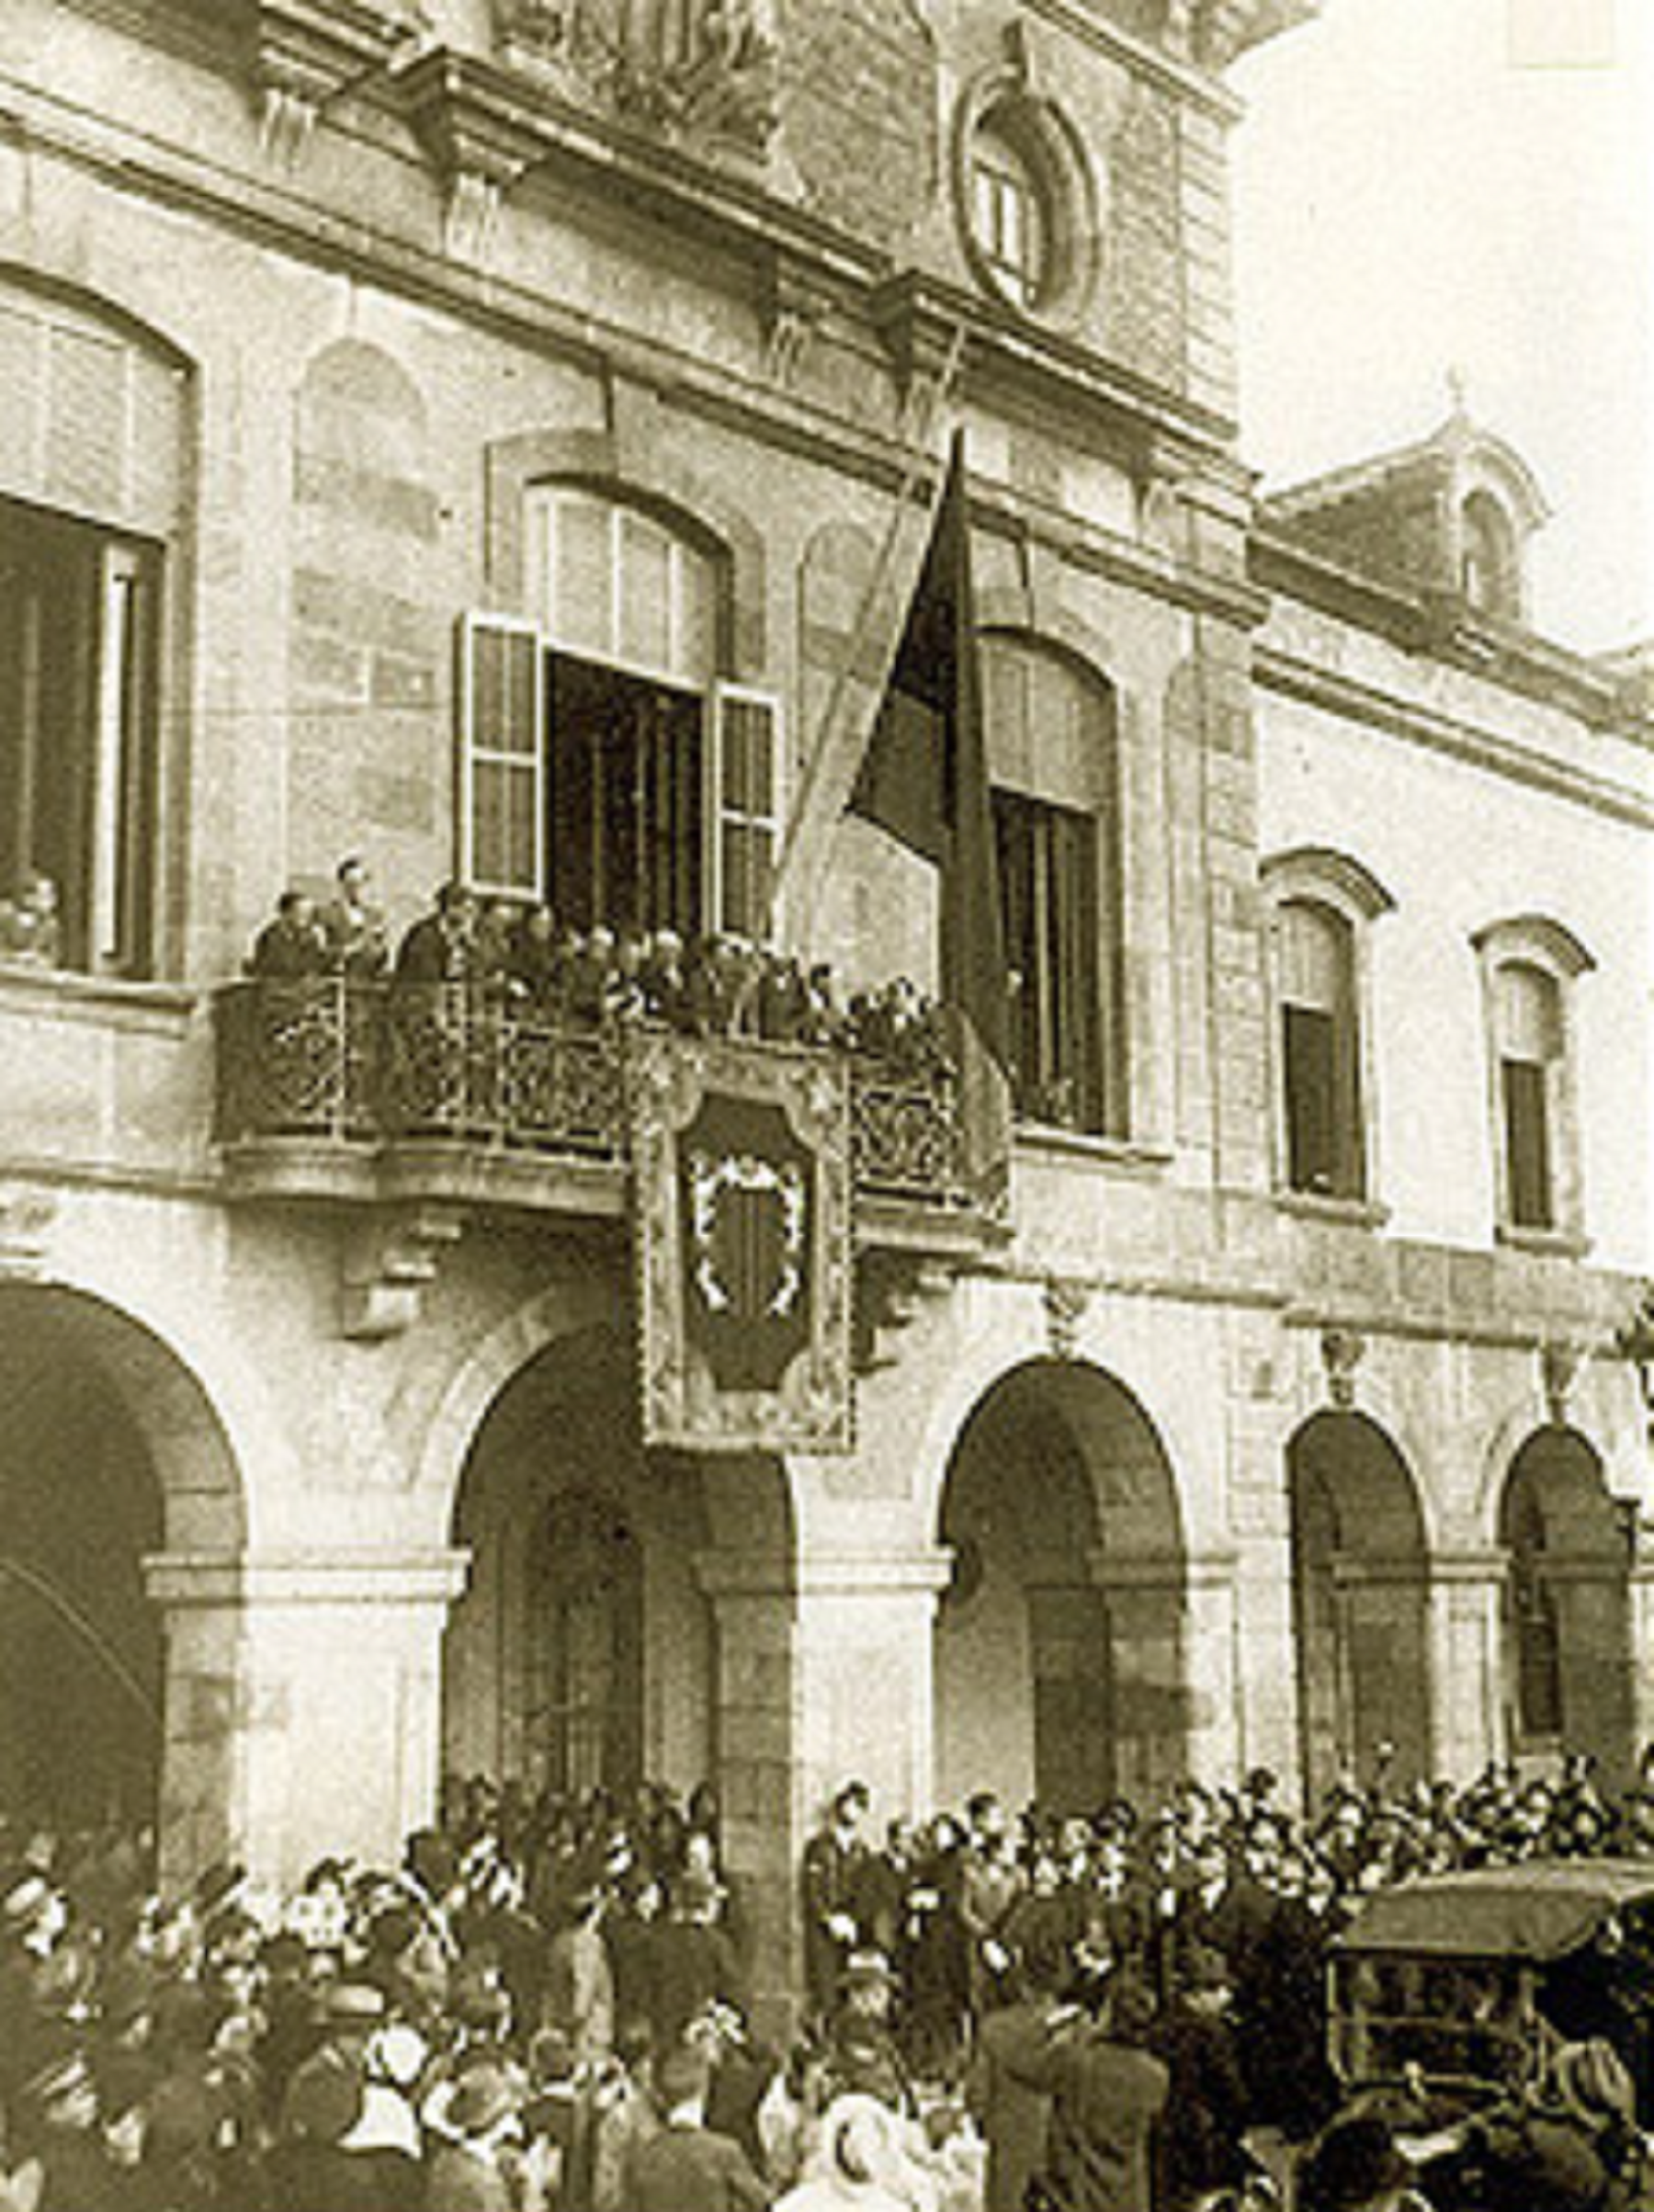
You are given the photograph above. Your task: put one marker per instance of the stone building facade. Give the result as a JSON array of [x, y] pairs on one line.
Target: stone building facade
[[453, 436]]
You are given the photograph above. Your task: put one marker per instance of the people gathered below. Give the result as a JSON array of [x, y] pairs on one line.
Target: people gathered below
[[548, 2006], [523, 961]]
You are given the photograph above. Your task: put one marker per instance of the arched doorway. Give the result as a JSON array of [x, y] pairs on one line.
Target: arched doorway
[[1359, 1602], [581, 1654], [109, 1451], [1058, 1652], [1568, 1654]]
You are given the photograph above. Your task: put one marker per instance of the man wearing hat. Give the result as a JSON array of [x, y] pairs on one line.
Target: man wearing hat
[[831, 1878], [334, 2074], [1206, 2103], [32, 1917], [480, 2125], [863, 2056]]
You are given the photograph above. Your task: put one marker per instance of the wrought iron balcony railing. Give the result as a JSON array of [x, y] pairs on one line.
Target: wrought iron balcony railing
[[357, 1065]]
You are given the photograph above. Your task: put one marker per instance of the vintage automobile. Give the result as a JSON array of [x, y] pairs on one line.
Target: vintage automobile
[[1449, 1995], [1474, 1977]]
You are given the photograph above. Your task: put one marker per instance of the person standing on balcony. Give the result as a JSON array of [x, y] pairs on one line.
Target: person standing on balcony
[[30, 928], [358, 944], [292, 947], [441, 946]]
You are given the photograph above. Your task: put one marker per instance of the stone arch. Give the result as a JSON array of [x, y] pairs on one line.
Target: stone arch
[[639, 464], [554, 1469], [1359, 1575], [1060, 1661], [115, 1464], [1568, 1660]]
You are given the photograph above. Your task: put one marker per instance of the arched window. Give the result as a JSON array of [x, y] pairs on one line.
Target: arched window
[[1535, 1661], [606, 765], [1010, 219], [91, 475], [1489, 571], [1324, 904], [1528, 1031], [1320, 1072], [1050, 759], [1529, 970]]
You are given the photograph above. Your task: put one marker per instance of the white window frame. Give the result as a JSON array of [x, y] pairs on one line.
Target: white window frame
[[1552, 950], [1319, 875], [472, 751], [716, 812], [680, 670]]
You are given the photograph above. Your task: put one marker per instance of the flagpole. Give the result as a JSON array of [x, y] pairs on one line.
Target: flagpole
[[872, 598]]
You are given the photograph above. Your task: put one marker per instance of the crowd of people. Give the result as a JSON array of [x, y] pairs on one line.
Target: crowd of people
[[546, 2007], [520, 955]]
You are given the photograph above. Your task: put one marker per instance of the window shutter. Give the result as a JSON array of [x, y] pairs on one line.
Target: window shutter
[[1527, 1143], [501, 756], [743, 765]]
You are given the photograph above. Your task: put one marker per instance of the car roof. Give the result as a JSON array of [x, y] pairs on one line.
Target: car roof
[[1539, 1909]]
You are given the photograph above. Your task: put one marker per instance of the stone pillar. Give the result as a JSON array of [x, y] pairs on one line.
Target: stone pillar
[[303, 1703], [1639, 1606], [1171, 1625], [1602, 1606], [1466, 1668], [823, 1673]]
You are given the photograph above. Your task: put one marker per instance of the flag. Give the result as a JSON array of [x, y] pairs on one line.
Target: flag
[[924, 775]]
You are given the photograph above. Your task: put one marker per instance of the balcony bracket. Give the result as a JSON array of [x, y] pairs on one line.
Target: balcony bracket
[[893, 1290], [389, 1261]]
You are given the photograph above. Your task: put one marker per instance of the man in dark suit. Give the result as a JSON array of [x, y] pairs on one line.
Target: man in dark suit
[[1003, 2089], [686, 2168], [439, 947], [832, 1880], [1109, 2099]]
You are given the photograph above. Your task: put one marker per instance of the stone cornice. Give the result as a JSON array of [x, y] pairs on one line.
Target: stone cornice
[[1446, 629], [1345, 697], [1168, 71]]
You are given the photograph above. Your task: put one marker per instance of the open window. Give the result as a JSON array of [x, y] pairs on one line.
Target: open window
[[90, 472], [1531, 968], [605, 766], [1322, 905], [1049, 729]]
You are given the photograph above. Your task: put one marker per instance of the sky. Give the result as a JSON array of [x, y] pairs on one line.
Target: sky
[[1427, 187]]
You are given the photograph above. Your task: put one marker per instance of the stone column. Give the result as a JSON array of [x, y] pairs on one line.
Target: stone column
[[303, 1703], [1171, 1624], [1639, 1606], [1467, 1671], [823, 1673]]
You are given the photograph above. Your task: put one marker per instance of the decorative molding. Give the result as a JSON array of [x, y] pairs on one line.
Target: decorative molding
[[479, 150], [177, 1581], [794, 305], [1559, 1364], [388, 1262], [1341, 1352], [307, 52], [893, 1290], [1067, 1302], [25, 1222], [705, 77]]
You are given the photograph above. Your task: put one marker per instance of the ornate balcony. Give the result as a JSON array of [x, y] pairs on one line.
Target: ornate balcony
[[328, 1087]]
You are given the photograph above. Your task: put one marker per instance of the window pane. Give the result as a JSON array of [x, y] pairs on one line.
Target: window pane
[[1310, 1052], [1528, 1012], [1527, 1143], [748, 757], [581, 614], [739, 879], [646, 561], [502, 799], [505, 692], [1315, 955]]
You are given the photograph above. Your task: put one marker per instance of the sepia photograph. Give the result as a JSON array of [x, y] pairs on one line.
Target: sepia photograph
[[826, 1106]]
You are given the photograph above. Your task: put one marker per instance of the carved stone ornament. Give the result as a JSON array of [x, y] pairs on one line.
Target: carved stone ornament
[[744, 1248], [1560, 1365], [26, 1220], [1066, 1304], [692, 69], [1342, 1352], [388, 1266]]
